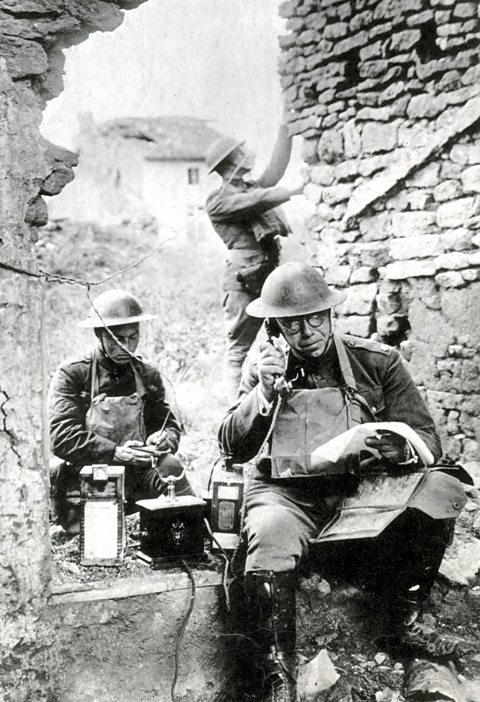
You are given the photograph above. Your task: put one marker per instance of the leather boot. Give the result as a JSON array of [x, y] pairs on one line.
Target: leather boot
[[271, 597], [416, 637]]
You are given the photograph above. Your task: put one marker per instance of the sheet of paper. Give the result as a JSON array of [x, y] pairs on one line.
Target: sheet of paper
[[352, 442]]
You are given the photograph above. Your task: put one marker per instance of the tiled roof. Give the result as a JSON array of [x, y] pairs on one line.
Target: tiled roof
[[168, 138]]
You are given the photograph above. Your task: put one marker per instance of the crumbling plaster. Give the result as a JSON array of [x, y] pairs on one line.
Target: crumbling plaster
[[32, 36]]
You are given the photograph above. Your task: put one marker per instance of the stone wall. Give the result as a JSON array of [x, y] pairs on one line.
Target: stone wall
[[32, 33], [385, 94]]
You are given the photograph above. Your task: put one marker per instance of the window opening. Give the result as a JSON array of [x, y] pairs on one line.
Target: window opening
[[193, 176]]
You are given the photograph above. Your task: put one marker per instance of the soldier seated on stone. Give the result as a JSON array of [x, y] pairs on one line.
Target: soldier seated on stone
[[107, 406], [336, 381]]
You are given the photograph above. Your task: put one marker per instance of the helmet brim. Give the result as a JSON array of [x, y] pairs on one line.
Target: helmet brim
[[95, 322], [258, 308], [225, 155]]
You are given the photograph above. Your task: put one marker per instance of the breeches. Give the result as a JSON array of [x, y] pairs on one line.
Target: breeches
[[281, 520]]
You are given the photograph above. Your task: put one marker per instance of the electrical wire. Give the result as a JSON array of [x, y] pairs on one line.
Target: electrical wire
[[58, 278], [182, 630]]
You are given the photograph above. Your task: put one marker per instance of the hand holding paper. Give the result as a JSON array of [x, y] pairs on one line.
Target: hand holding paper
[[326, 459], [392, 447]]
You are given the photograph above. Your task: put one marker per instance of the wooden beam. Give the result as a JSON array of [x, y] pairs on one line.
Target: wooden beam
[[157, 582], [367, 193]]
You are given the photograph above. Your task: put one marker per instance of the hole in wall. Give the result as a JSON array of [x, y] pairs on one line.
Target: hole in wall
[[427, 48], [352, 75], [393, 330]]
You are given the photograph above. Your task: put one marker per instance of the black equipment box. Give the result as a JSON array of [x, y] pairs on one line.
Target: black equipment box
[[171, 529]]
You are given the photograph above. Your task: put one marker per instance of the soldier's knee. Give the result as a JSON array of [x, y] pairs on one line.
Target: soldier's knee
[[270, 524]]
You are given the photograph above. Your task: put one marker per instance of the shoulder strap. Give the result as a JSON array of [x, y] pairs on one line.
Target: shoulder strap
[[345, 367], [139, 384], [93, 378], [347, 373]]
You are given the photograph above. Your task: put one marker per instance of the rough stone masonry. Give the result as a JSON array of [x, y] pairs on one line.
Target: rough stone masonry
[[387, 97]]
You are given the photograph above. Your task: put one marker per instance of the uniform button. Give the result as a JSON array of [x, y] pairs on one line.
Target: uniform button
[[456, 505]]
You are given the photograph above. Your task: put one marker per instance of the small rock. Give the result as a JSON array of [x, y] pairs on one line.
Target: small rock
[[473, 598], [380, 658], [316, 676], [387, 695], [323, 641], [471, 506], [324, 588], [398, 666], [462, 561], [340, 692], [430, 620]]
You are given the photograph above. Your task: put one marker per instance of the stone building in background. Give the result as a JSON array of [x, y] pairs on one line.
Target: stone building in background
[[136, 168], [387, 97]]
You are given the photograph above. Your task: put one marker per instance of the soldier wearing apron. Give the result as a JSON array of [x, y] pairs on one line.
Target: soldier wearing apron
[[107, 405], [336, 381]]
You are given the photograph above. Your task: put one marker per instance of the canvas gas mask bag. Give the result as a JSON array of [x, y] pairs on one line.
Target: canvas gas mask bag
[[119, 419], [309, 418]]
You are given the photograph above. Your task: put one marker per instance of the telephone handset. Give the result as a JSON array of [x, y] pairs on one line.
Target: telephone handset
[[282, 386], [272, 329]]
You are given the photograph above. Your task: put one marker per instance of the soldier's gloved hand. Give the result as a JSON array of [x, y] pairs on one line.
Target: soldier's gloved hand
[[127, 453], [162, 441], [392, 447], [271, 363]]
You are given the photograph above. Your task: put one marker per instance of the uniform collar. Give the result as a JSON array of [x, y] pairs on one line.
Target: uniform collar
[[115, 369], [313, 365]]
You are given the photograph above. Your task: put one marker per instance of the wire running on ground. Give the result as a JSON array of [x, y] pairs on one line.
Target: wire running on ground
[[182, 630]]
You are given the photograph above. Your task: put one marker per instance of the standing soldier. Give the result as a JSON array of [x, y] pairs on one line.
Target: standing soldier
[[245, 215], [109, 407], [334, 382]]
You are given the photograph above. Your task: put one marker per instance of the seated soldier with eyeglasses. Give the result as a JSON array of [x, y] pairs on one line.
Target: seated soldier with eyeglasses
[[333, 381]]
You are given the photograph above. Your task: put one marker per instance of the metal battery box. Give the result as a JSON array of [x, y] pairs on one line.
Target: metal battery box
[[227, 499], [102, 528]]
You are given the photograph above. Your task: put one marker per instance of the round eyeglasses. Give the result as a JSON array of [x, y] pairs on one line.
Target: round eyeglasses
[[292, 325]]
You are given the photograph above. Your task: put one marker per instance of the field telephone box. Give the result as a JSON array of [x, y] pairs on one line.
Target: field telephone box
[[171, 528], [102, 527]]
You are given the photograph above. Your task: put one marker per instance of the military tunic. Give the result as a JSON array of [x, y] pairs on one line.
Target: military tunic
[[283, 516]]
